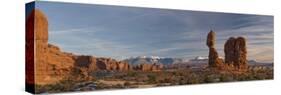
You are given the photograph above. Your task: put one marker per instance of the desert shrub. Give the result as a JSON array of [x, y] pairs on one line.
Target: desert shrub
[[50, 88], [67, 84], [132, 74], [40, 89], [226, 78], [167, 80], [192, 78], [118, 86], [151, 78], [211, 79], [182, 81], [242, 77], [127, 83], [174, 73], [101, 86]]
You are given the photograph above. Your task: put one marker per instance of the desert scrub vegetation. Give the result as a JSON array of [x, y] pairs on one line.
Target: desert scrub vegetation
[[164, 78], [65, 85]]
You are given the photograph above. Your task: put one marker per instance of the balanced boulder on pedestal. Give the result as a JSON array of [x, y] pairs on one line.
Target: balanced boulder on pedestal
[[214, 60]]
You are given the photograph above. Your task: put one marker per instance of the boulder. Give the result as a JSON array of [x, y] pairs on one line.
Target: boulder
[[211, 39]]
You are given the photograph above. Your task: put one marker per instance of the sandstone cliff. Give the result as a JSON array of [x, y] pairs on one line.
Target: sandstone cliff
[[50, 64]]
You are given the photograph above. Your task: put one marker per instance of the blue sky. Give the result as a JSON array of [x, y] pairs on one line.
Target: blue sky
[[121, 32]]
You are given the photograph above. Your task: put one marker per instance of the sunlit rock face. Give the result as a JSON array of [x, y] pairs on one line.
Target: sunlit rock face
[[50, 64]]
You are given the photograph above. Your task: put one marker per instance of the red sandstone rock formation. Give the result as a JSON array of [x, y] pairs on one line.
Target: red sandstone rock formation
[[229, 50], [50, 64], [145, 67], [149, 67], [236, 52], [214, 60], [157, 67], [123, 66], [95, 64]]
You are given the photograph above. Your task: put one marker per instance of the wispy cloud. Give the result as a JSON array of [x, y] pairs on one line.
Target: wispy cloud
[[120, 32]]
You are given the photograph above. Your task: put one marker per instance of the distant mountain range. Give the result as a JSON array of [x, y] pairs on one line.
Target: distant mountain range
[[164, 60], [154, 59], [169, 61]]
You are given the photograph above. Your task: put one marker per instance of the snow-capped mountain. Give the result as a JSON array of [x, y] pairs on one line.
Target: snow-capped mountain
[[153, 59], [164, 60], [169, 61], [198, 59]]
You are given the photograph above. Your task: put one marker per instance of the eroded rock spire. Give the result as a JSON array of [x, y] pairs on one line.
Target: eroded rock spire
[[214, 60]]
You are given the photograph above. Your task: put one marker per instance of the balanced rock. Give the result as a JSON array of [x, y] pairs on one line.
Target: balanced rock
[[211, 39], [214, 60]]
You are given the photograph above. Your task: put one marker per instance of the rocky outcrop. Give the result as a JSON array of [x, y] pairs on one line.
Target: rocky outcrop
[[123, 66], [214, 60], [229, 50], [157, 67], [96, 64], [50, 64], [236, 52], [148, 67]]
